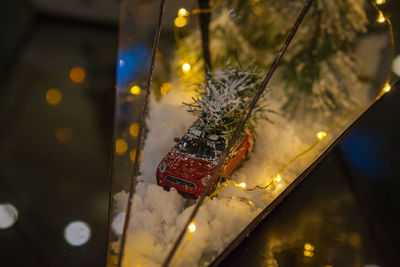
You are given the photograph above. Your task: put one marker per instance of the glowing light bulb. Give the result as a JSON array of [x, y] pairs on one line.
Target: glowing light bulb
[[186, 67], [183, 12], [180, 22], [192, 227], [135, 90], [321, 135], [381, 18], [380, 2], [387, 87], [242, 185], [278, 178]]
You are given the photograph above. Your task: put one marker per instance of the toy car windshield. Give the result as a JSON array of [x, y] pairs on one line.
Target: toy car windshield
[[207, 148]]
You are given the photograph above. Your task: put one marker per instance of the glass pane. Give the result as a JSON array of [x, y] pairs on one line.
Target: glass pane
[[335, 68]]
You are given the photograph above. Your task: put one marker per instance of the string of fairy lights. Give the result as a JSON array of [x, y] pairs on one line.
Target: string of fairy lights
[[181, 21]]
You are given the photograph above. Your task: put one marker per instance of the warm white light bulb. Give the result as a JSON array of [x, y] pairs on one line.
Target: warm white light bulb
[[321, 135], [192, 227], [387, 87], [186, 67], [242, 185], [381, 18], [182, 12]]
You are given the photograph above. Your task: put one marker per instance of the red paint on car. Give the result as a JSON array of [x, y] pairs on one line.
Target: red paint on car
[[189, 164]]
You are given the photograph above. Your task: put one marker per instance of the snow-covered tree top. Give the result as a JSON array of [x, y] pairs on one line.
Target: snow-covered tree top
[[224, 98]]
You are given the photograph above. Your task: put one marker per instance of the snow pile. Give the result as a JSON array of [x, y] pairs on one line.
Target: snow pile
[[158, 215]]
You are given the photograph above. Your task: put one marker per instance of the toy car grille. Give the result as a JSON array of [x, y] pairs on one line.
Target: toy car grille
[[180, 182]]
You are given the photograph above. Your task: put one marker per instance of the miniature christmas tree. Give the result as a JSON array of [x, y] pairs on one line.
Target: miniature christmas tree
[[224, 98]]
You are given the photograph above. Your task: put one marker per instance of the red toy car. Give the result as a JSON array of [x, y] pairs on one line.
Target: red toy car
[[190, 163]]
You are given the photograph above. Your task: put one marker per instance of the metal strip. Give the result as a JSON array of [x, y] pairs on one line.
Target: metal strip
[[140, 142]]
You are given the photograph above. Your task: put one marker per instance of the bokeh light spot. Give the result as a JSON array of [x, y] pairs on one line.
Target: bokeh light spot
[[77, 74], [53, 97], [118, 223], [8, 215], [134, 129], [77, 233], [64, 134], [132, 155], [308, 253], [396, 65], [308, 246], [180, 22], [121, 146], [135, 90]]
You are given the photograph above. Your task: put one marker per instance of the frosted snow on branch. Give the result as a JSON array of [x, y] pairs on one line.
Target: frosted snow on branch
[[224, 98]]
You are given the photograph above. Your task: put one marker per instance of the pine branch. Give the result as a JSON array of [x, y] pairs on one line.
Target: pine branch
[[224, 98]]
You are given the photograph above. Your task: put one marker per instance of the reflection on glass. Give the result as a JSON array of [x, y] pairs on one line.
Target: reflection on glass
[[8, 215], [77, 233]]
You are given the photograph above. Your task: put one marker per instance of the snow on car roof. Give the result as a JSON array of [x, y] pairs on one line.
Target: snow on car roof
[[214, 137]]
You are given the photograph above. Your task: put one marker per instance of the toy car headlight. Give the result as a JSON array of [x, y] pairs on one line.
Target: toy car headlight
[[162, 166], [205, 180]]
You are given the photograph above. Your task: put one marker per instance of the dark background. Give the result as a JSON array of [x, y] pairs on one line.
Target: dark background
[[348, 208]]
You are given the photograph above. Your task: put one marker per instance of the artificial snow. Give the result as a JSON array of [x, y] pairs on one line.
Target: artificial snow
[[158, 215]]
